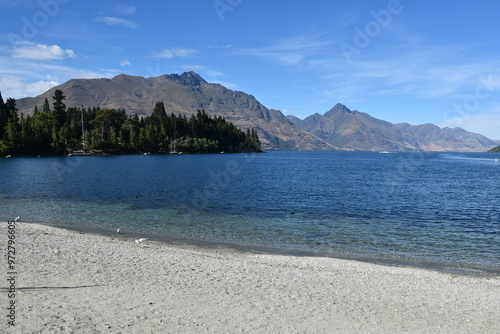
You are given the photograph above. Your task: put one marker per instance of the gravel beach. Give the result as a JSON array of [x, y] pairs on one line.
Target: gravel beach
[[73, 282]]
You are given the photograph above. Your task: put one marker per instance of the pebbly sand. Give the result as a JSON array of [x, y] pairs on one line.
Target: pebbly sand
[[71, 282]]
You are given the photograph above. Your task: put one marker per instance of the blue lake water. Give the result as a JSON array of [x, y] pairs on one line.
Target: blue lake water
[[430, 209]]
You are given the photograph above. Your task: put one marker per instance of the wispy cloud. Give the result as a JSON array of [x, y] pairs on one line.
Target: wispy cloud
[[204, 69], [126, 9], [292, 51], [10, 4], [125, 63], [228, 85], [488, 124], [24, 77], [423, 72], [210, 75], [34, 51], [170, 53], [114, 21]]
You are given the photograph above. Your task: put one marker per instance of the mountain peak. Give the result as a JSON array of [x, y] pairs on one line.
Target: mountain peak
[[338, 108], [341, 127], [187, 78]]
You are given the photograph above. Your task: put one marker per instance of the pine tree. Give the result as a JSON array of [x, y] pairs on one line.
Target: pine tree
[[4, 116], [112, 131], [46, 106], [42, 124], [27, 136], [59, 108], [12, 135], [159, 111]]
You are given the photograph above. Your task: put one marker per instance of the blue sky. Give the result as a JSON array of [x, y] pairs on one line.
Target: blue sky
[[400, 61]]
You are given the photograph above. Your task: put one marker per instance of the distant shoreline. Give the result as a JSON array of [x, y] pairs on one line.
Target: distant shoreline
[[101, 154], [123, 154]]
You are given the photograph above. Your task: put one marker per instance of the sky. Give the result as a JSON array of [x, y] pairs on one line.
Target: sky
[[397, 60]]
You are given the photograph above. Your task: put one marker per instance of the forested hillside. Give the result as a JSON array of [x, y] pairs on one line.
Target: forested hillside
[[495, 150], [60, 130]]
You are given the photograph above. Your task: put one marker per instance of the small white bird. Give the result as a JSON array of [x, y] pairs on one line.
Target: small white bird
[[118, 231], [17, 218], [140, 241]]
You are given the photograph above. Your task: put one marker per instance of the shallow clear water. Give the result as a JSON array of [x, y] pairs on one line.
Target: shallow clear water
[[425, 208]]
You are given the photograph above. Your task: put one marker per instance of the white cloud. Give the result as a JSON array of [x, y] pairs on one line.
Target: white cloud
[[125, 63], [34, 51], [24, 77], [113, 21], [170, 53], [15, 87]]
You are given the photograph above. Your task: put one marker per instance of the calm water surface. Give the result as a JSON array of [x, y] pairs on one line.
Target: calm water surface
[[431, 209]]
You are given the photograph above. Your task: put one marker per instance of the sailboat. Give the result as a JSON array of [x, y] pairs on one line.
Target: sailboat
[[81, 153], [173, 147]]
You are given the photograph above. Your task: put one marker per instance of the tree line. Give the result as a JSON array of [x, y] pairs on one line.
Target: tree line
[[60, 130]]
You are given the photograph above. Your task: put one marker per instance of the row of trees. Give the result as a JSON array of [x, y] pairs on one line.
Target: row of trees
[[61, 130]]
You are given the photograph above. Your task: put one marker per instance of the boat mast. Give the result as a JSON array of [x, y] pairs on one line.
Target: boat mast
[[83, 134]]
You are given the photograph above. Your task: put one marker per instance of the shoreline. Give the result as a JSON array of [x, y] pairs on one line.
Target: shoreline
[[70, 281], [454, 268]]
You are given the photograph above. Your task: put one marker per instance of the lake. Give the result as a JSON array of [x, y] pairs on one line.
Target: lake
[[438, 210]]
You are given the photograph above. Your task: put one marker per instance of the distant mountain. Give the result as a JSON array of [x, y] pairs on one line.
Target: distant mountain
[[294, 120], [339, 128], [349, 129], [183, 94]]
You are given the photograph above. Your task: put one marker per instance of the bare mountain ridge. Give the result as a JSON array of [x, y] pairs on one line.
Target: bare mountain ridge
[[183, 94], [186, 93], [356, 130]]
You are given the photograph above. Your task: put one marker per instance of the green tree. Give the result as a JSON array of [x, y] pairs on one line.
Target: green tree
[[107, 124], [159, 111], [59, 108], [110, 130], [130, 134], [46, 106], [156, 129], [27, 135], [4, 116], [12, 134], [42, 124]]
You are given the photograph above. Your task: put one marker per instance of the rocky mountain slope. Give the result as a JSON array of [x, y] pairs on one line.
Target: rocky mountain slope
[[356, 130], [183, 94], [339, 128]]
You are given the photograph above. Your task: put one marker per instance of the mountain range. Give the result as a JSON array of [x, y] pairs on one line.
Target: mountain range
[[183, 94], [350, 129], [337, 129]]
